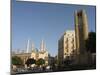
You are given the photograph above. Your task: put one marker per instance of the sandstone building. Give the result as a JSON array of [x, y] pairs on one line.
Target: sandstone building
[[66, 46], [35, 53]]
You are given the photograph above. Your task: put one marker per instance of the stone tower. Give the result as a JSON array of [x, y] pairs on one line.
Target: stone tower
[[81, 30], [33, 48], [42, 47], [28, 43], [81, 34]]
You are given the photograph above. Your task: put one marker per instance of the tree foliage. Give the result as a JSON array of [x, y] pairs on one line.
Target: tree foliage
[[40, 61], [30, 61], [16, 60]]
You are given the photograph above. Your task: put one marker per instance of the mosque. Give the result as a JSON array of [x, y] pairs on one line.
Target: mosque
[[34, 53]]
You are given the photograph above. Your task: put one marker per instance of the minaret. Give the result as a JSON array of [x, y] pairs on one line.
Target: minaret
[[33, 46], [42, 47], [81, 30], [27, 50]]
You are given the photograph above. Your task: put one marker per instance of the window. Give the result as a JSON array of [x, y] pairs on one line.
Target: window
[[65, 53], [67, 34]]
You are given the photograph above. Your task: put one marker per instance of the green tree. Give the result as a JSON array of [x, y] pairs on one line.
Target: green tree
[[40, 62], [17, 60], [91, 42], [30, 61]]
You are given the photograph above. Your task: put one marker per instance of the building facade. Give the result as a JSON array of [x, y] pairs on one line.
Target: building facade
[[23, 56], [35, 53], [66, 46], [41, 54]]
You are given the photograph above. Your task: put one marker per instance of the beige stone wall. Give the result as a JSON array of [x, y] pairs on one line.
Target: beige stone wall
[[33, 55], [40, 54], [66, 45], [23, 56], [69, 43], [44, 55]]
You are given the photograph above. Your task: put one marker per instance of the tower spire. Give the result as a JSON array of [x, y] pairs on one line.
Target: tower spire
[[33, 46], [27, 50], [42, 47]]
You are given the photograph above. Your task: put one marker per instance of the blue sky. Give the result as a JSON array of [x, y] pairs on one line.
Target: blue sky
[[37, 21]]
